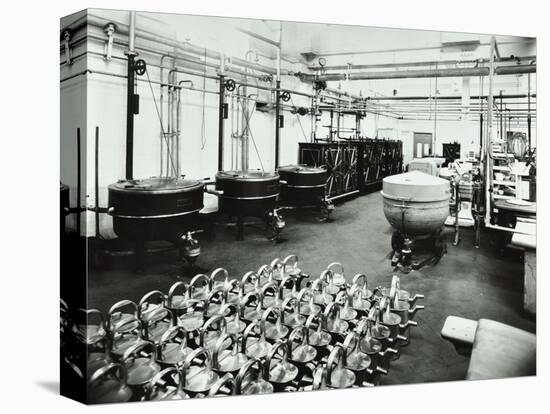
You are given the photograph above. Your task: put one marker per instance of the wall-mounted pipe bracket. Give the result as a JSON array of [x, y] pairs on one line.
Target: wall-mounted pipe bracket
[[109, 29], [66, 36]]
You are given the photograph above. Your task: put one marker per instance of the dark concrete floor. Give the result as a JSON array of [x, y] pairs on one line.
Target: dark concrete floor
[[467, 282]]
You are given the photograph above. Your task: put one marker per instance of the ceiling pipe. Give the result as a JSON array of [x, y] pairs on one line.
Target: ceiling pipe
[[449, 97], [424, 63], [427, 73], [187, 47]]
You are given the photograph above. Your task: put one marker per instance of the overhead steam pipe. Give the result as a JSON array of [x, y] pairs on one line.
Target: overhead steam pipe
[[427, 73]]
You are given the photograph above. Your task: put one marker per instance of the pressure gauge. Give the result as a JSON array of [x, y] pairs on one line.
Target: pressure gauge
[[322, 62]]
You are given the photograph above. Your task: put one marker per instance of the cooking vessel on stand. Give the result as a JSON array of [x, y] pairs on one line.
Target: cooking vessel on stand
[[197, 374], [154, 316], [141, 367], [291, 268], [320, 288], [345, 300], [361, 283], [109, 385], [215, 276], [335, 374], [233, 314], [403, 309], [124, 327], [379, 353], [227, 356], [193, 318], [338, 276], [281, 372], [275, 329], [334, 324], [291, 314], [318, 337], [253, 379], [173, 347], [360, 362], [253, 342], [166, 385], [199, 287], [307, 306], [213, 329], [176, 300], [224, 386]]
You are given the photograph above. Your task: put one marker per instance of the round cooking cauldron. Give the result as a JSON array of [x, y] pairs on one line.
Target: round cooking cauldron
[[302, 185], [416, 203], [155, 208], [247, 193]]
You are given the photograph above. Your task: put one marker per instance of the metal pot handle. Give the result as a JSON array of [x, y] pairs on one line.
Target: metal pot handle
[[295, 332], [363, 286], [351, 338], [279, 345], [249, 277], [331, 307], [336, 265], [107, 369], [173, 289], [87, 313], [294, 302], [286, 280], [120, 305], [171, 333], [338, 350], [192, 284], [190, 359], [266, 271], [145, 300], [270, 285], [214, 319], [140, 346], [290, 261], [221, 382], [158, 380], [311, 318], [252, 362], [218, 347], [250, 331], [272, 310], [231, 306], [215, 292], [276, 265], [216, 273]]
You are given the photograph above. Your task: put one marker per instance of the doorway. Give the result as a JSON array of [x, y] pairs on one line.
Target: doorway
[[422, 144]]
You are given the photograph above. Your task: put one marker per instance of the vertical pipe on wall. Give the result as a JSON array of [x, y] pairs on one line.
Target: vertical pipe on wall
[[277, 107], [96, 181], [221, 112], [130, 101], [78, 180], [529, 109], [487, 148]]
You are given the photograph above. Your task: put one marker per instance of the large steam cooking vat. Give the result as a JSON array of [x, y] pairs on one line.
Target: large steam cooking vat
[[302, 185], [247, 193], [155, 208], [416, 203]]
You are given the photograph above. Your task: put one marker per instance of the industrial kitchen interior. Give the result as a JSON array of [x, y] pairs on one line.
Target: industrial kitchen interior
[[258, 206]]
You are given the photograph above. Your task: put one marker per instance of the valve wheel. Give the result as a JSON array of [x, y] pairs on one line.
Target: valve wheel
[[140, 67], [285, 96], [230, 85]]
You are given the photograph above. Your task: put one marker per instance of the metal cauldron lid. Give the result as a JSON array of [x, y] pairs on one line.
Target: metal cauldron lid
[[415, 186], [249, 175], [158, 185], [302, 169]]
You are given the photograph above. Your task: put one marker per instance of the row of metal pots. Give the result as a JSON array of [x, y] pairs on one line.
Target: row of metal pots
[[263, 333]]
